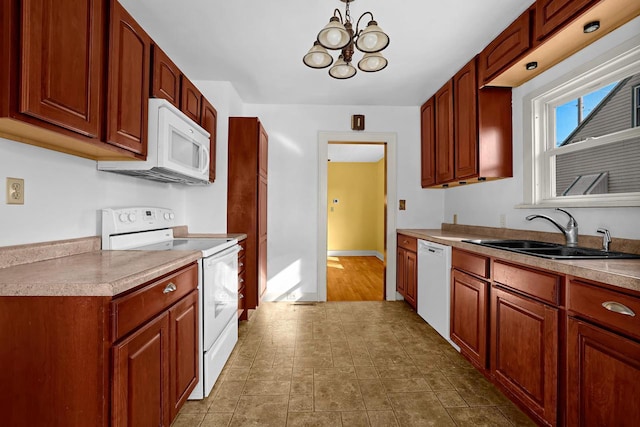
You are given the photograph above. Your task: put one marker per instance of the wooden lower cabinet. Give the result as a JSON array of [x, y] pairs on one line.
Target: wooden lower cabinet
[[469, 315], [141, 377], [407, 269], [603, 377], [75, 361], [524, 351]]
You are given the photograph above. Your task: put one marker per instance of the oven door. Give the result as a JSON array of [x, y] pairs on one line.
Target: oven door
[[219, 292]]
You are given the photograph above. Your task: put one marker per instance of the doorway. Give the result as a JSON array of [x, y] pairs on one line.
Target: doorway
[[356, 187], [390, 141]]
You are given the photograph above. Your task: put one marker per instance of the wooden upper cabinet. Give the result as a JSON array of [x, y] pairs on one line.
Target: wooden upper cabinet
[[209, 121], [428, 143], [190, 99], [505, 49], [465, 122], [128, 85], [165, 82], [444, 133], [551, 15], [62, 63]]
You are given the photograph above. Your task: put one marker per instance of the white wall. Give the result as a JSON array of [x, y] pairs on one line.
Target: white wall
[[206, 207], [293, 183], [482, 204], [63, 195]]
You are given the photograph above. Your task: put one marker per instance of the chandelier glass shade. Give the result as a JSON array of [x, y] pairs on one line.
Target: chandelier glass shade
[[338, 34]]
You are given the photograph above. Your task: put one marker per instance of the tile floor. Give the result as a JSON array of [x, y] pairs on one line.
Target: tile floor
[[347, 364]]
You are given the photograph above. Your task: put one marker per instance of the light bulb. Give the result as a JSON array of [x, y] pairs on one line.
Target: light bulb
[[334, 37], [317, 58], [373, 62], [343, 70], [370, 40]]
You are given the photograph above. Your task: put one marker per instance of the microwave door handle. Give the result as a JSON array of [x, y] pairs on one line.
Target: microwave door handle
[[206, 159]]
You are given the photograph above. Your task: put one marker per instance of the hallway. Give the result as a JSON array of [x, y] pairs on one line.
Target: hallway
[[347, 364], [355, 278]]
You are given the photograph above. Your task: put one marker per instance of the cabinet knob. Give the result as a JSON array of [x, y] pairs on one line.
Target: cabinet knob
[[240, 296], [241, 280], [170, 288], [616, 307], [241, 264]]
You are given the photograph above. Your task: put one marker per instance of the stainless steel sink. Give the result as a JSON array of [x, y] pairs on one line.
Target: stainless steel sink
[[551, 250]]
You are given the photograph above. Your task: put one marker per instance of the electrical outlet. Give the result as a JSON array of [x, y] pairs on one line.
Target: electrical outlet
[[15, 191], [293, 296], [503, 220], [402, 205], [455, 218]]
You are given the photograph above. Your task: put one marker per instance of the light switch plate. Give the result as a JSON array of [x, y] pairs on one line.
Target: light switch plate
[[15, 191]]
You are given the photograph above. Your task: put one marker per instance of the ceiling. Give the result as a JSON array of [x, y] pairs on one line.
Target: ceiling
[[258, 45], [355, 152]]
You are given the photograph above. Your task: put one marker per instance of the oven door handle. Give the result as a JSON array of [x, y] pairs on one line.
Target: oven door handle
[[170, 288]]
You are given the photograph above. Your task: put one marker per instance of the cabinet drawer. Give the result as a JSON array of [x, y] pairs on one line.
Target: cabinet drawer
[[589, 301], [409, 243], [538, 284], [132, 310], [471, 263]]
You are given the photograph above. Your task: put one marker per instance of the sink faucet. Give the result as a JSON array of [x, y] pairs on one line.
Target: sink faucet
[[606, 238], [570, 231]]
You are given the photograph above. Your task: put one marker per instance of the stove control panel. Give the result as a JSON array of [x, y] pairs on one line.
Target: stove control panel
[[134, 219]]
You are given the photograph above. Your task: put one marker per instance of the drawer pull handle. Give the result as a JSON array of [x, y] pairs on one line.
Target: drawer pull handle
[[241, 280], [241, 264], [616, 307], [241, 249], [170, 288], [240, 296]]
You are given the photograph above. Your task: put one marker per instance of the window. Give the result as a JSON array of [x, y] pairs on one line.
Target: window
[[584, 144]]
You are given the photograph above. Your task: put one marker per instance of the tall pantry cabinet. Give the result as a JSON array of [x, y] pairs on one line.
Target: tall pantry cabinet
[[247, 201]]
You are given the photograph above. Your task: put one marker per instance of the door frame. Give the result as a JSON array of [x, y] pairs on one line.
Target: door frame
[[390, 140]]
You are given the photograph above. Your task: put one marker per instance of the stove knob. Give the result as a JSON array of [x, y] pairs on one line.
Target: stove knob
[[167, 216], [123, 217], [171, 215], [132, 217]]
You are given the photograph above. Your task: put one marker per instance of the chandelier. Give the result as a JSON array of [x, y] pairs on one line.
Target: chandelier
[[338, 34]]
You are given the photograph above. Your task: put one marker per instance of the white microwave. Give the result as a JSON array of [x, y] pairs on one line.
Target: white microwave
[[177, 149]]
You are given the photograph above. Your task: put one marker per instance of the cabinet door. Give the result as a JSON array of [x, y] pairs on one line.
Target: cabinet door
[[444, 134], [128, 87], [401, 275], [209, 121], [551, 15], [428, 143], [263, 151], [62, 63], [190, 99], [166, 78], [603, 377], [141, 377], [183, 333], [262, 235], [411, 273], [469, 307], [505, 49], [466, 121], [524, 351]]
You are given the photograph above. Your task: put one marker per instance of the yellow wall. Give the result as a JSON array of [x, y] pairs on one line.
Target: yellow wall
[[356, 221]]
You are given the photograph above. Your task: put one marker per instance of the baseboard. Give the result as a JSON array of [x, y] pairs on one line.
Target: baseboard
[[290, 297], [356, 253]]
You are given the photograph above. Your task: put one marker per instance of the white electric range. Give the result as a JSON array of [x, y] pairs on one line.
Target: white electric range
[[150, 229]]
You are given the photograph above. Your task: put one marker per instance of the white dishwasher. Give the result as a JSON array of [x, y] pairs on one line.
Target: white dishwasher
[[434, 288]]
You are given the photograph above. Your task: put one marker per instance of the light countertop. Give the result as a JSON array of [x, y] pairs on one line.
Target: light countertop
[[620, 273]]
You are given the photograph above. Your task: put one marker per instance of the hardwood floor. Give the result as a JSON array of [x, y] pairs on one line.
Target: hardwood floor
[[355, 278]]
